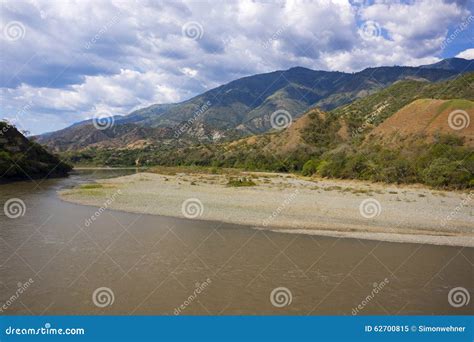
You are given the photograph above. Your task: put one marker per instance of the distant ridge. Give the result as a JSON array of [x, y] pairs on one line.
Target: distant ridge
[[244, 106]]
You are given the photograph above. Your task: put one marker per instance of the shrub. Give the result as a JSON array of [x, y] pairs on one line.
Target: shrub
[[333, 166], [310, 168], [443, 172], [242, 181], [323, 168]]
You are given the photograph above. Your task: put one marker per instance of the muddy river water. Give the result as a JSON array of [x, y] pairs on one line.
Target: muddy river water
[[55, 260]]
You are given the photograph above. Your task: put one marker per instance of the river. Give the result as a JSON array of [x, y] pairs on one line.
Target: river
[[53, 261]]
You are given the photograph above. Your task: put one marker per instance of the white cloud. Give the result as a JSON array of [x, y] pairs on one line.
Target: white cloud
[[466, 54], [77, 56]]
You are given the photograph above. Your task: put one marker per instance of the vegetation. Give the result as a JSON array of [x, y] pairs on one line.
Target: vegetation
[[443, 164], [310, 167], [91, 186], [241, 181], [245, 105], [21, 158], [368, 112], [446, 163]]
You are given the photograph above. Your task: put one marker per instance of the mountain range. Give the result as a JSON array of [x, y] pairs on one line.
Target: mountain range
[[408, 112], [387, 124], [243, 107]]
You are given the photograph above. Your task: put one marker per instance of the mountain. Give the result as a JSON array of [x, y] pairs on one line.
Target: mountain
[[454, 64], [244, 106], [364, 114], [21, 158], [124, 135], [399, 134], [402, 139], [318, 132], [428, 118], [412, 131]]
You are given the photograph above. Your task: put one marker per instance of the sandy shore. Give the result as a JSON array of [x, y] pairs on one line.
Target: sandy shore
[[292, 204]]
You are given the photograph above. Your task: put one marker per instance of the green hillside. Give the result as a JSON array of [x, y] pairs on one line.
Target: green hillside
[[244, 106], [371, 110], [21, 158], [334, 144]]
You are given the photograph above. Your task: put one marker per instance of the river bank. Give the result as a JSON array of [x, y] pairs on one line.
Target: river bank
[[290, 204]]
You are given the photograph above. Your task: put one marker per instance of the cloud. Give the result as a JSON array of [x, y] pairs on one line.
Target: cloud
[[74, 57], [466, 54]]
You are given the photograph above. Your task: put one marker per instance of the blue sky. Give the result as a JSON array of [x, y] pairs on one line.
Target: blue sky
[[65, 61]]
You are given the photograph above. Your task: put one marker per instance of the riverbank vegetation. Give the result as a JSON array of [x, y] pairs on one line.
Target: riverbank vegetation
[[354, 141], [21, 158]]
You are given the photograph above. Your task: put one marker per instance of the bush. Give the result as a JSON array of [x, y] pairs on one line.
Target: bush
[[442, 163], [242, 181], [323, 168], [333, 165], [442, 172], [310, 168]]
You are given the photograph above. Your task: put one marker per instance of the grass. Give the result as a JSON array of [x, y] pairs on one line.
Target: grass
[[361, 191], [91, 186], [239, 182], [173, 170], [332, 188]]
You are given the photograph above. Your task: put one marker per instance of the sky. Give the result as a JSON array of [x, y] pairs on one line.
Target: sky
[[65, 61]]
